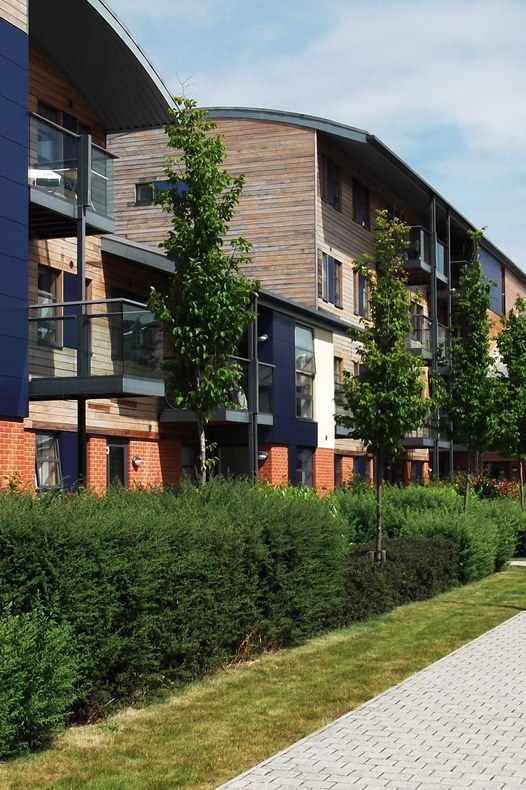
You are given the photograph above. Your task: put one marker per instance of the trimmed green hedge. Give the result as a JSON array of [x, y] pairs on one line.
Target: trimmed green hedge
[[140, 589]]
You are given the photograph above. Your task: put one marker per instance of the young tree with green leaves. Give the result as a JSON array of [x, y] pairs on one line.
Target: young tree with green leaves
[[469, 401], [387, 399], [208, 305], [510, 388]]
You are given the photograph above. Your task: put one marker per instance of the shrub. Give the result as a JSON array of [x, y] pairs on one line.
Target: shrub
[[416, 568], [37, 676]]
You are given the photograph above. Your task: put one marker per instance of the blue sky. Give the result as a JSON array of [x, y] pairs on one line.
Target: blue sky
[[440, 82]]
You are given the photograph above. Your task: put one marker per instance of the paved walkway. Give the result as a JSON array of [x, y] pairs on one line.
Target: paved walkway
[[459, 723]]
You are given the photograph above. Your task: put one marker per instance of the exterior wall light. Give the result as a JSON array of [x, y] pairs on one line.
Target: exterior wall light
[[262, 456], [136, 461]]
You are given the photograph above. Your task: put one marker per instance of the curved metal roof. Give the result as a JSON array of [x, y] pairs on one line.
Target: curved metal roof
[[88, 43]]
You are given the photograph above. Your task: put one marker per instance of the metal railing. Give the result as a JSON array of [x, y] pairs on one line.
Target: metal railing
[[115, 337], [54, 166]]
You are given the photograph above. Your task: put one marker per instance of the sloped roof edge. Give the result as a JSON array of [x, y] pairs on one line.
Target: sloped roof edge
[[101, 58]]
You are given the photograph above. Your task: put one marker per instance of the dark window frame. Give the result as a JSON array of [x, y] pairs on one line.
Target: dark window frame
[[361, 204]]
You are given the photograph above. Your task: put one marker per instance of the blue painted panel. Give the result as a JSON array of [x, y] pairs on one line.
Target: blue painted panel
[[13, 282], [492, 269], [13, 120], [14, 158], [68, 442], [14, 62], [13, 322], [13, 238], [13, 397], [14, 200], [14, 44]]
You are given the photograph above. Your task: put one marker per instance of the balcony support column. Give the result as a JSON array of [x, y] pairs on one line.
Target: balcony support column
[[83, 202]]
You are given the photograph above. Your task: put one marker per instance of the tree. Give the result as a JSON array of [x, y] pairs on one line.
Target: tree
[[387, 399], [469, 402], [510, 388], [208, 304]]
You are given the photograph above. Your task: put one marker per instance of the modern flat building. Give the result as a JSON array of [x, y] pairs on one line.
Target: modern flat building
[[82, 394], [312, 191]]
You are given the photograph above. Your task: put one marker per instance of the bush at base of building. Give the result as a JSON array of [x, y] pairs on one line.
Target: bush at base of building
[[155, 588]]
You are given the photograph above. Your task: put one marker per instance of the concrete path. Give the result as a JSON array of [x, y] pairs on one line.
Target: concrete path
[[459, 723]]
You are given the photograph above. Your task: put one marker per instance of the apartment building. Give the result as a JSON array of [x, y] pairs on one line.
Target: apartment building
[[312, 190], [82, 394]]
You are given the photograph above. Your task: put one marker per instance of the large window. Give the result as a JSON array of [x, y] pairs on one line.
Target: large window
[[331, 280], [492, 269], [304, 466], [305, 371], [330, 183], [360, 195], [48, 325], [48, 468]]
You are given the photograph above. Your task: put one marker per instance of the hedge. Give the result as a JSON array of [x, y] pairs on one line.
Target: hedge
[[140, 589]]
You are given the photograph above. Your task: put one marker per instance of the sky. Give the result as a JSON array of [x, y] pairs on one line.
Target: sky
[[440, 82]]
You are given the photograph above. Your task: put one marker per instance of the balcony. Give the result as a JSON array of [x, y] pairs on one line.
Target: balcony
[[418, 261], [104, 348], [62, 166], [426, 435], [418, 341], [240, 398]]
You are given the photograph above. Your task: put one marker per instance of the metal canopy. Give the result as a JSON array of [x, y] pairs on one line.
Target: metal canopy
[[89, 44]]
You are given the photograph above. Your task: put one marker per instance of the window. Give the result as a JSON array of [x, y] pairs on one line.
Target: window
[[330, 183], [492, 269], [48, 468], [48, 325], [117, 466], [338, 464], [360, 467], [361, 295], [360, 195], [145, 192], [331, 280], [305, 371], [304, 466]]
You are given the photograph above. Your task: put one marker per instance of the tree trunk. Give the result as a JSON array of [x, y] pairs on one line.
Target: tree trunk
[[379, 481], [521, 483], [202, 452], [466, 489]]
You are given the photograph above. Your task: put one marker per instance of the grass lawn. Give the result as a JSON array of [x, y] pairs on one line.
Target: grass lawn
[[223, 725]]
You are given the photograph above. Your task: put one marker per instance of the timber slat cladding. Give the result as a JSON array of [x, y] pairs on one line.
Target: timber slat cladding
[[14, 12], [276, 211], [50, 86]]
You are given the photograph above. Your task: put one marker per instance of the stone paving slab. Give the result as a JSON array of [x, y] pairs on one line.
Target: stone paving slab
[[459, 723]]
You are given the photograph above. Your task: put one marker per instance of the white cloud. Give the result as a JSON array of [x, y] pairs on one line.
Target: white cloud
[[441, 82]]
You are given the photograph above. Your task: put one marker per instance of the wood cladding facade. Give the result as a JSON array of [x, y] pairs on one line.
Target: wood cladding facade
[[15, 12]]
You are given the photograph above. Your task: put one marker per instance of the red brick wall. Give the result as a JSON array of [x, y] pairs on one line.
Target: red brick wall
[[97, 463], [275, 469], [17, 454], [323, 469], [160, 465]]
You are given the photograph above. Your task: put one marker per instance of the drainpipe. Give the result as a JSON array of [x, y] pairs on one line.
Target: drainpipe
[[253, 395]]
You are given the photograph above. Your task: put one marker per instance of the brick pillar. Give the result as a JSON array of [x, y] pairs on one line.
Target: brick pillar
[[17, 454], [275, 469], [323, 469], [97, 463]]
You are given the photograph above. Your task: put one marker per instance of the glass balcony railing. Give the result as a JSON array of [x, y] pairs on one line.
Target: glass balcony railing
[[116, 337], [419, 251], [54, 166], [265, 383], [419, 339]]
